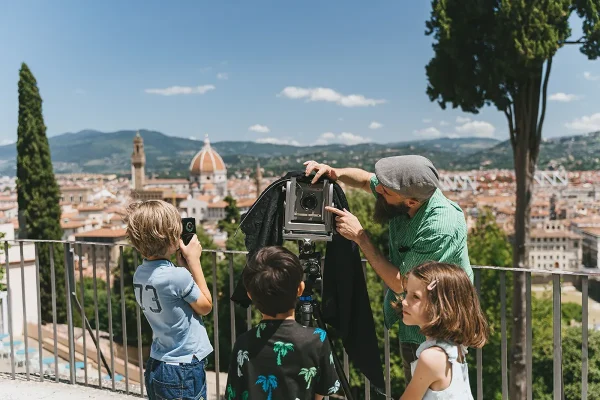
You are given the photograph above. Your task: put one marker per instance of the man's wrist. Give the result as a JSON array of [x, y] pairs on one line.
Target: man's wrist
[[362, 239]]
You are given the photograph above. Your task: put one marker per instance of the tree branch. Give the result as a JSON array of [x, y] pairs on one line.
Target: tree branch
[[511, 126], [544, 96], [581, 40]]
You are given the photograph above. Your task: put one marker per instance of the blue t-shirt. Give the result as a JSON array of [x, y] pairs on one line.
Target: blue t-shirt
[[164, 293]]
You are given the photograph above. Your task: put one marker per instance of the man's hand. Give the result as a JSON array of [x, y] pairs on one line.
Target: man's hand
[[347, 224], [320, 169]]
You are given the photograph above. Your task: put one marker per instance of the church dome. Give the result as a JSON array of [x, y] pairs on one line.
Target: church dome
[[206, 161]]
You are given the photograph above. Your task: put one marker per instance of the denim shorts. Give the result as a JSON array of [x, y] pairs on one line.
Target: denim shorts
[[184, 381]]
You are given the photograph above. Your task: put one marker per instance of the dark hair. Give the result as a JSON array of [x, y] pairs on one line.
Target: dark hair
[[272, 276]]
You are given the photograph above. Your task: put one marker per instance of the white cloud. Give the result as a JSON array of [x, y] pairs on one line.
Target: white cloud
[[444, 123], [427, 121], [329, 95], [462, 120], [175, 90], [193, 138], [563, 97], [476, 128], [585, 124], [375, 125], [343, 138], [273, 140], [588, 75], [428, 133], [259, 128], [223, 76], [4, 142]]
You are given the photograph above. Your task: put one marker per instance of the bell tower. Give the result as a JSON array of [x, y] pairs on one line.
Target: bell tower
[[138, 162]]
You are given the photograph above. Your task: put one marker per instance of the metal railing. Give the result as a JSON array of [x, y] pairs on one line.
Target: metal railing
[[75, 304]]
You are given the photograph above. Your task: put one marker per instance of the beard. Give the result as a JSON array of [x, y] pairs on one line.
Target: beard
[[384, 212]]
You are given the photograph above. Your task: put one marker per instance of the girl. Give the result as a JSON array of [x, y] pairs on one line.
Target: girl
[[442, 301]]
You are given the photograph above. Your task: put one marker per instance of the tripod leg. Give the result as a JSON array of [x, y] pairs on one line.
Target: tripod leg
[[336, 361]]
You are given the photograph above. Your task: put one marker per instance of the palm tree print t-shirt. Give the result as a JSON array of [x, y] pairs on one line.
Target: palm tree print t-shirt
[[281, 359]]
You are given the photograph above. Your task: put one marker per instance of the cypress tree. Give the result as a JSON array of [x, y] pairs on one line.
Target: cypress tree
[[38, 194]]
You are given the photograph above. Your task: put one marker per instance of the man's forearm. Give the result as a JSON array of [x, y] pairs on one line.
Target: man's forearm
[[354, 177], [385, 269]]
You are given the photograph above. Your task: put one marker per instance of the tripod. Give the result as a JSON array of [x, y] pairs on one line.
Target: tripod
[[308, 307]]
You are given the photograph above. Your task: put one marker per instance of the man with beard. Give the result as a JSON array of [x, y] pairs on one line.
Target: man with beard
[[424, 225]]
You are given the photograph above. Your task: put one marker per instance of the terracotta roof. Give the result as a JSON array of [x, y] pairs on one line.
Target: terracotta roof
[[542, 233], [73, 188], [206, 161], [103, 232], [592, 231], [90, 208], [245, 202], [8, 207], [8, 198], [218, 204], [174, 181], [72, 224]]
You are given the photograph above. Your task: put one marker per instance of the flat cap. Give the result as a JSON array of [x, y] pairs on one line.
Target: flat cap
[[411, 176]]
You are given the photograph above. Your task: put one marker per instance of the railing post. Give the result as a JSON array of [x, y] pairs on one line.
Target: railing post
[[83, 316], [557, 342], [9, 304], [215, 311], [386, 354], [584, 337], [479, 352], [124, 318], [53, 290], [109, 312], [23, 298], [528, 336], [139, 333], [503, 339], [96, 317], [231, 303], [39, 308], [70, 333]]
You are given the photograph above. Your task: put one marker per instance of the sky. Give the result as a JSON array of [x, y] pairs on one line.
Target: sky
[[304, 72]]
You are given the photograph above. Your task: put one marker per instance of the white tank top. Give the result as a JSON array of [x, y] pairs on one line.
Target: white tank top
[[459, 387]]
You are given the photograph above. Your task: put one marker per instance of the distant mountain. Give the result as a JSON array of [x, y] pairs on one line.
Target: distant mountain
[[581, 152], [100, 152]]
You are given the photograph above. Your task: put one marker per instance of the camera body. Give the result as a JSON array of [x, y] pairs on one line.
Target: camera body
[[189, 229], [305, 215]]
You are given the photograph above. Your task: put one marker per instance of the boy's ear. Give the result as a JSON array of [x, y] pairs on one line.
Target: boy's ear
[[250, 297], [300, 289]]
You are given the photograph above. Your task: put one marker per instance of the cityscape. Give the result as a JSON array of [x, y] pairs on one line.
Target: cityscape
[[488, 261]]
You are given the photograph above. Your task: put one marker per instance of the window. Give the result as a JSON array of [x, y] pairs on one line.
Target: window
[[71, 198], [80, 199], [193, 211]]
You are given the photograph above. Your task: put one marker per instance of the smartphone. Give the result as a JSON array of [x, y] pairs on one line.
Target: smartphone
[[189, 229]]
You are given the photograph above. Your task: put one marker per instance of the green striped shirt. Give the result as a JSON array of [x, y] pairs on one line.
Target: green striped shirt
[[437, 232]]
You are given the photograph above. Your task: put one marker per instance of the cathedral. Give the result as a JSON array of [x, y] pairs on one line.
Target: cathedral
[[207, 176]]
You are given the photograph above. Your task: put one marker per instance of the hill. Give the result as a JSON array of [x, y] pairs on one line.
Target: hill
[[100, 152]]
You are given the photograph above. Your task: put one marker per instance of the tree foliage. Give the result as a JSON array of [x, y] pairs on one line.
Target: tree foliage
[[38, 194], [499, 53]]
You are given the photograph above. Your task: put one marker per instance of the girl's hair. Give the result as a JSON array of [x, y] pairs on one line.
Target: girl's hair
[[453, 308]]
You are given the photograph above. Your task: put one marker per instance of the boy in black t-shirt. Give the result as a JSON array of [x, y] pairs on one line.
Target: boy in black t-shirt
[[279, 358]]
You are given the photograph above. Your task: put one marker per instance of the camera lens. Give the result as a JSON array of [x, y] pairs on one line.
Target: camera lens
[[309, 202]]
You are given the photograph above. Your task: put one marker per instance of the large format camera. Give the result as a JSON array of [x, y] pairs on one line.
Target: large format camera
[[305, 214]]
